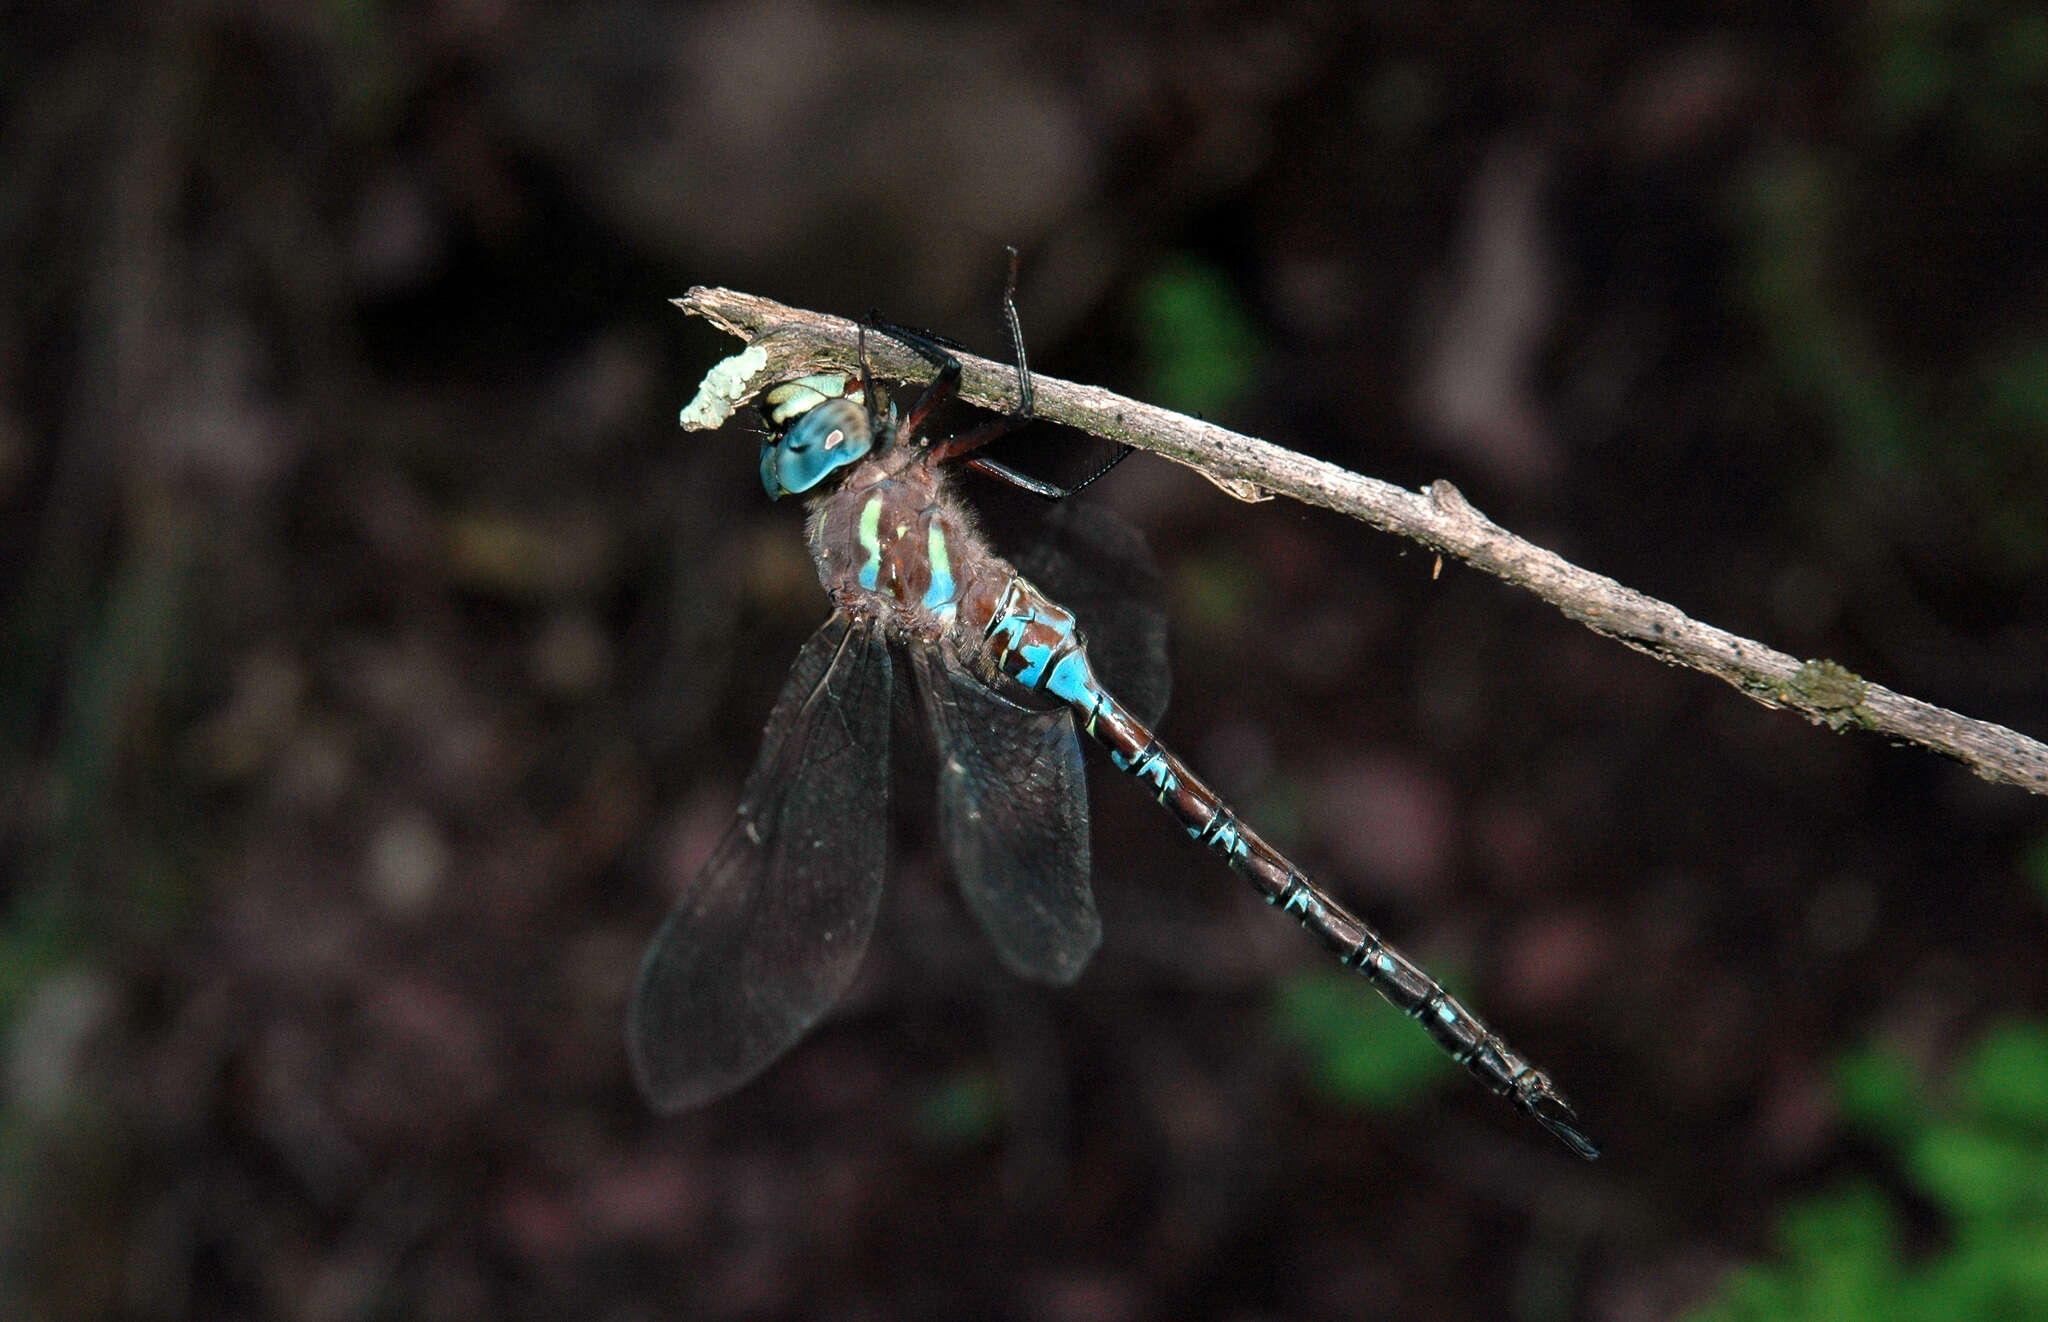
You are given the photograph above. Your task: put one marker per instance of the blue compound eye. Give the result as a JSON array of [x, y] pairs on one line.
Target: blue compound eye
[[824, 439]]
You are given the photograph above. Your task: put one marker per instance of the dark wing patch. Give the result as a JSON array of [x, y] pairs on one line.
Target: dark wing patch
[[1013, 813], [773, 929]]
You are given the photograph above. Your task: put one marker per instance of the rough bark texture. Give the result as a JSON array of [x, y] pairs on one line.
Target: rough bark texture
[[793, 341]]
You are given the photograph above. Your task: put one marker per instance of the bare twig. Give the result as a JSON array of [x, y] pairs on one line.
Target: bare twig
[[784, 342]]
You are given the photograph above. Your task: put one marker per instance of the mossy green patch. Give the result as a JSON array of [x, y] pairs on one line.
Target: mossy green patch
[[1830, 692]]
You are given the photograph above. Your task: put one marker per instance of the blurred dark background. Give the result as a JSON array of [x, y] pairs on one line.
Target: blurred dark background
[[380, 659]]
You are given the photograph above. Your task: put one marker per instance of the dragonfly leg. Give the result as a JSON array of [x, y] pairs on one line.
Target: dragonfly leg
[[949, 371], [946, 385], [1040, 487], [867, 384], [941, 389]]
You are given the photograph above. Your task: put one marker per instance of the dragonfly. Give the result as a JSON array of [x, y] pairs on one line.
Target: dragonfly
[[774, 927]]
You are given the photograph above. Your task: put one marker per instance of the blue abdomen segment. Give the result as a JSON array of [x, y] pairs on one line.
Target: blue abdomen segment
[[1155, 766], [1036, 642]]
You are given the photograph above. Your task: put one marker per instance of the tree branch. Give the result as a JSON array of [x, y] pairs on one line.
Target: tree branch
[[785, 342]]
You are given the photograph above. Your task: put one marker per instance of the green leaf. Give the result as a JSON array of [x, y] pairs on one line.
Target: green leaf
[[2035, 861], [2015, 386], [2005, 1080], [963, 1109], [1361, 1052], [1985, 1163], [1879, 1091], [1199, 345], [1856, 1223], [1974, 1173]]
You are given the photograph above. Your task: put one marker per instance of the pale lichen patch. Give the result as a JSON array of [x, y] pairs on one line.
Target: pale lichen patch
[[725, 387]]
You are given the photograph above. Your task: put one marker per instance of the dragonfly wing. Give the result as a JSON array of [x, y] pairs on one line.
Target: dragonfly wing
[[1013, 812], [1095, 563], [774, 928]]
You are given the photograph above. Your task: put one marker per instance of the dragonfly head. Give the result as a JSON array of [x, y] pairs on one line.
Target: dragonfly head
[[816, 426]]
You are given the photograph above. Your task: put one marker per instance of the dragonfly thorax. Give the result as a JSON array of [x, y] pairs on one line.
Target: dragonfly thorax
[[890, 541]]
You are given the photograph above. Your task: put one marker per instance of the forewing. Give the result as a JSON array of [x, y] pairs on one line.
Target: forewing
[[773, 929], [1092, 561], [1013, 812]]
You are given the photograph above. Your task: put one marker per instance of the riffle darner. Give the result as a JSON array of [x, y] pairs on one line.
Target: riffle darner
[[774, 928]]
